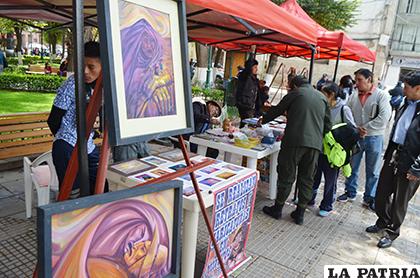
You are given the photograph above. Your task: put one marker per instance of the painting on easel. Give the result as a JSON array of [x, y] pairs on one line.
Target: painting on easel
[[145, 69], [130, 233]]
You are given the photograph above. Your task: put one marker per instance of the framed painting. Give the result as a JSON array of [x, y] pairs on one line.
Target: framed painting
[[131, 167], [145, 69], [128, 233]]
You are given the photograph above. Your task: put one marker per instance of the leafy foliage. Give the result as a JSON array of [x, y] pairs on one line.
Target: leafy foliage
[[331, 14], [208, 94], [28, 82], [30, 60]]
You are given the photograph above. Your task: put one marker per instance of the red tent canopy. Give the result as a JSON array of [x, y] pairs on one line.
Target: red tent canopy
[[216, 22], [328, 43]]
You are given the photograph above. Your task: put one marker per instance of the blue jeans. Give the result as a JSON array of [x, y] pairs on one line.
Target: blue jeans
[[372, 147], [330, 185]]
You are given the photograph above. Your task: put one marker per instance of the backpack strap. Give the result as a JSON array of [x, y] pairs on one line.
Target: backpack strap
[[342, 113]]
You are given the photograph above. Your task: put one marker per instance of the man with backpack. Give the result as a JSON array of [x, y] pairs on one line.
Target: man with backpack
[[372, 111], [400, 175]]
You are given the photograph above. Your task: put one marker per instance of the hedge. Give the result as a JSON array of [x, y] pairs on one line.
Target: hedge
[[28, 82], [208, 94], [30, 60]]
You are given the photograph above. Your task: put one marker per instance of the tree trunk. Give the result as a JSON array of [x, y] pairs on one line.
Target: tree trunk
[[218, 56], [272, 64], [18, 32], [202, 55], [9, 42]]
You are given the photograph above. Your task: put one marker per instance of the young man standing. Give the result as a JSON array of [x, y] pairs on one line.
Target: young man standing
[[400, 175], [62, 120], [372, 111], [308, 120]]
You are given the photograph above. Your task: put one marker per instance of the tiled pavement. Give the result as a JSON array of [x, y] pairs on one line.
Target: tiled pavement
[[277, 248]]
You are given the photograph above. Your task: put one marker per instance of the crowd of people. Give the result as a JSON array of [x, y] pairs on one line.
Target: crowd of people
[[356, 110]]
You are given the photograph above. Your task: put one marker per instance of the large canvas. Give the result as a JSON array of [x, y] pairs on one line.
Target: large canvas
[[145, 69], [149, 77], [119, 234]]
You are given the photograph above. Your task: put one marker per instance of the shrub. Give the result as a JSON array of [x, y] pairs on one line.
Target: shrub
[[30, 60], [27, 82], [208, 94], [16, 69]]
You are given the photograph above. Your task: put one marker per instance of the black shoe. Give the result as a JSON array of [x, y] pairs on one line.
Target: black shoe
[[385, 242], [273, 211], [374, 229], [298, 214]]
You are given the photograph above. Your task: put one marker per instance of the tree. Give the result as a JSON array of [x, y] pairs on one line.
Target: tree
[[330, 14], [9, 27], [53, 37]]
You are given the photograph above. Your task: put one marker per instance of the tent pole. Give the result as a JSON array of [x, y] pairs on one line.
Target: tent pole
[[373, 67], [80, 96], [209, 66], [336, 64], [311, 66]]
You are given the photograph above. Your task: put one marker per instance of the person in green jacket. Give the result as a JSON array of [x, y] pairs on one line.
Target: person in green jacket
[[308, 120]]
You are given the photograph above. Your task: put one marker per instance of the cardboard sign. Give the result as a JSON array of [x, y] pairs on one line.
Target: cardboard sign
[[232, 216]]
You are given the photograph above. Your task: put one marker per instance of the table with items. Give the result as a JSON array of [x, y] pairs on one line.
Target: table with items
[[210, 179], [251, 142]]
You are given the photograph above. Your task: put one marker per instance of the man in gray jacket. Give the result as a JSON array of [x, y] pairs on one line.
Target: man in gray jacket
[[400, 175], [371, 111]]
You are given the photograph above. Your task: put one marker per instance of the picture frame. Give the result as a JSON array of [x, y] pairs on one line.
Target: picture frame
[[145, 69], [175, 155], [131, 167], [54, 222]]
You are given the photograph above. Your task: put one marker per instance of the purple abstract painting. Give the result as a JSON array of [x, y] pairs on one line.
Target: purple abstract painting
[[147, 62]]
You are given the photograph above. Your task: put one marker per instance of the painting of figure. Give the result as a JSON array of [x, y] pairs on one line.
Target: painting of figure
[[125, 238], [147, 61]]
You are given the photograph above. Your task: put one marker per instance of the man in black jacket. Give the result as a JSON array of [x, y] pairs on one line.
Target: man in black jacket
[[400, 175], [247, 90], [308, 120]]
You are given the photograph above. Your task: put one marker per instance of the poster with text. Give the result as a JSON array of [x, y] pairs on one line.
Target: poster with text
[[232, 216]]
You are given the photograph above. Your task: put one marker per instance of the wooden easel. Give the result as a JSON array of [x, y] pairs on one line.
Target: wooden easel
[[92, 111]]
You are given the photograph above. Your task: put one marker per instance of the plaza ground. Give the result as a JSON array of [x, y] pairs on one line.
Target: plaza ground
[[277, 248]]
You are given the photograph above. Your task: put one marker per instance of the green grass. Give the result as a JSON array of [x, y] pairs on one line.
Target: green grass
[[18, 102]]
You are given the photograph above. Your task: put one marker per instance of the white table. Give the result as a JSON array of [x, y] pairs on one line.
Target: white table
[[252, 157], [191, 212]]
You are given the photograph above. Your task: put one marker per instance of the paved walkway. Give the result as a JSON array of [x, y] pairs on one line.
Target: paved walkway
[[278, 248]]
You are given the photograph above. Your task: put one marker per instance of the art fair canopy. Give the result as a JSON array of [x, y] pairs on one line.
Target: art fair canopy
[[328, 42]]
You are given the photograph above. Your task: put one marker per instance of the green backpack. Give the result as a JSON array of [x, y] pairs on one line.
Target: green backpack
[[336, 154]]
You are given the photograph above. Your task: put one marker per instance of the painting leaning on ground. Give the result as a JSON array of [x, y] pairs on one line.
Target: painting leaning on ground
[[147, 61], [126, 238]]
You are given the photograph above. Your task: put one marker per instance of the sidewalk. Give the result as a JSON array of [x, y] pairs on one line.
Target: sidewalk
[[278, 248]]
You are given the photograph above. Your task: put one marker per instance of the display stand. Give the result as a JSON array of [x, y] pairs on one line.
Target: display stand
[[92, 111]]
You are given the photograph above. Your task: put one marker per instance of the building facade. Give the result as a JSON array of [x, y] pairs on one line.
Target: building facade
[[404, 54]]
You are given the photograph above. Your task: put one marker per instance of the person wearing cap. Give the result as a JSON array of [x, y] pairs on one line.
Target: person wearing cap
[[372, 111], [400, 175], [247, 90], [205, 115]]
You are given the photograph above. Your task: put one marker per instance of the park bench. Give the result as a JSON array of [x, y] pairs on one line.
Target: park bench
[[25, 134], [39, 69]]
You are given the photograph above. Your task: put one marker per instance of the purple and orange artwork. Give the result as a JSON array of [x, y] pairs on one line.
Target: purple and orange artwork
[[125, 238], [147, 61]]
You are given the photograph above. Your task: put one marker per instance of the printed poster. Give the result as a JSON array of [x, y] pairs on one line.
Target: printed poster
[[232, 216]]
